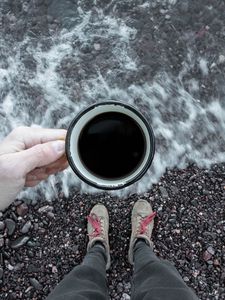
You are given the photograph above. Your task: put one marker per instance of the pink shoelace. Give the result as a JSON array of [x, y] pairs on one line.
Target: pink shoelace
[[145, 222], [95, 223]]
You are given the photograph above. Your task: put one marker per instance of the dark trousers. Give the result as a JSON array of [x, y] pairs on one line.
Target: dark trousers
[[153, 278]]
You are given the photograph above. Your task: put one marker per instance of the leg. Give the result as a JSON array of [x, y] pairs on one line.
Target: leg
[[153, 279], [87, 281], [156, 279]]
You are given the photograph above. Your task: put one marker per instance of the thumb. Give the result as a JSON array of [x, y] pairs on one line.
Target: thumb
[[40, 155]]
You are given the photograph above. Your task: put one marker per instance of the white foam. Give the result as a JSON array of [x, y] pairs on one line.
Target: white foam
[[204, 66]]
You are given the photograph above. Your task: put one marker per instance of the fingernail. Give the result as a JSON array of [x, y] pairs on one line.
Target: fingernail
[[59, 147]]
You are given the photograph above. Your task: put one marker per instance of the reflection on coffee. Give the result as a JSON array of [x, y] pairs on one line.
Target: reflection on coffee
[[111, 145]]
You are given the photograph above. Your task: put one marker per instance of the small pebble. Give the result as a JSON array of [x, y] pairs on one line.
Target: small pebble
[[1, 242], [22, 209], [36, 284], [50, 215], [207, 256], [11, 226], [54, 270], [10, 267], [19, 242], [221, 59], [211, 250], [2, 225], [125, 296], [26, 227], [216, 262], [97, 47], [45, 209], [164, 192]]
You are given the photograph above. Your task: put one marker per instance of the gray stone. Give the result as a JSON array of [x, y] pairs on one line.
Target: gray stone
[[50, 215], [164, 192], [97, 46], [1, 242], [35, 283], [221, 59], [174, 190], [172, 221], [19, 242], [2, 225], [207, 256], [45, 209], [11, 226], [22, 209], [211, 250], [26, 227], [125, 296], [31, 244], [1, 273], [54, 270]]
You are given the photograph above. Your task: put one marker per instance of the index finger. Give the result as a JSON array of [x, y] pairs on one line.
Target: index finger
[[31, 136]]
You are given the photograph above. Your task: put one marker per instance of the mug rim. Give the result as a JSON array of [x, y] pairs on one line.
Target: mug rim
[[149, 159]]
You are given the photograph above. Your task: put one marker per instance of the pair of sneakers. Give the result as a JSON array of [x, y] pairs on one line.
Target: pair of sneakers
[[142, 220]]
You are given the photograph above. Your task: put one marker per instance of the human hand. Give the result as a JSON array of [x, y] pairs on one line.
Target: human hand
[[29, 155]]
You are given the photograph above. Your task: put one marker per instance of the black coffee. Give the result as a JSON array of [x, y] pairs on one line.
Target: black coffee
[[111, 145]]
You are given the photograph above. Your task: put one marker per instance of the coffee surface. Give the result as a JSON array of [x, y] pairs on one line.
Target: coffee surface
[[111, 145]]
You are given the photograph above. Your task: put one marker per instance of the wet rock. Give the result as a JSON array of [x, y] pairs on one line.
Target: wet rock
[[50, 215], [174, 190], [18, 267], [221, 59], [1, 242], [26, 227], [45, 209], [35, 283], [2, 225], [30, 254], [19, 242], [10, 267], [97, 46], [211, 250], [31, 244], [86, 48], [216, 263], [22, 209], [207, 256], [11, 226], [164, 192], [125, 296], [172, 220], [1, 273]]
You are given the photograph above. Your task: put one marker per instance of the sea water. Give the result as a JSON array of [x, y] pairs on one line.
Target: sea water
[[58, 57]]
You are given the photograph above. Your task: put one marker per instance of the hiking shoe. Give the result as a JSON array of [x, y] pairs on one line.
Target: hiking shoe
[[98, 227], [142, 220]]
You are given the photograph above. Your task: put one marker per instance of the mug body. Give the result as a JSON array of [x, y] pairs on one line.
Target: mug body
[[110, 145]]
